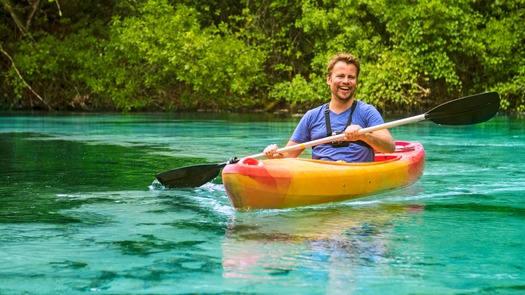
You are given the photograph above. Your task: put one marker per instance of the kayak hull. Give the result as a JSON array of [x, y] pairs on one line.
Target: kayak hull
[[294, 182]]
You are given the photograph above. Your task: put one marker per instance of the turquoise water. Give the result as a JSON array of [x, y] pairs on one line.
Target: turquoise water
[[80, 212]]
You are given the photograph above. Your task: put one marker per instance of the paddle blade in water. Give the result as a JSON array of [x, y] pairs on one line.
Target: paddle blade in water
[[468, 110], [191, 176]]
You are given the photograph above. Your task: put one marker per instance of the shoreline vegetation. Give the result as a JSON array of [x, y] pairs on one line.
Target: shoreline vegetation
[[255, 56]]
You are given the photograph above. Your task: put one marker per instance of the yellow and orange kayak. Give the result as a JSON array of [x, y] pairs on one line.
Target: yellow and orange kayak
[[293, 182]]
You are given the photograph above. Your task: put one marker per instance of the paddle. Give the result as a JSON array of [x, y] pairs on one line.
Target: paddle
[[468, 110]]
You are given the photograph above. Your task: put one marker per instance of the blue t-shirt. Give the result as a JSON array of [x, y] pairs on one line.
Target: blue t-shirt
[[313, 126]]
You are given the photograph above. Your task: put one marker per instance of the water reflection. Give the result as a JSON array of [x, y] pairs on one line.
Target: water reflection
[[330, 244]]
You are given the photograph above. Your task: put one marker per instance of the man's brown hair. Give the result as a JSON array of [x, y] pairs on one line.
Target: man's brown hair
[[344, 57]]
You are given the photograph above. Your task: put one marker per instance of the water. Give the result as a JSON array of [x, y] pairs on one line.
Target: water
[[80, 212]]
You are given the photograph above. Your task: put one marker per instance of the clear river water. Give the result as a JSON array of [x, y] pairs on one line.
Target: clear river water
[[81, 212]]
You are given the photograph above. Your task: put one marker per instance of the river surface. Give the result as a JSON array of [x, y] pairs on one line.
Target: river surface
[[81, 212]]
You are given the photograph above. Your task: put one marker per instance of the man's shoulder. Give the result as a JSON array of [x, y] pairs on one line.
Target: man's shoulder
[[316, 111], [370, 114], [364, 105]]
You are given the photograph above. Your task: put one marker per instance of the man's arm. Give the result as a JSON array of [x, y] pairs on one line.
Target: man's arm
[[380, 140], [270, 151]]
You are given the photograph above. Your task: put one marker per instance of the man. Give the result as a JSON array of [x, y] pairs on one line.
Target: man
[[342, 114]]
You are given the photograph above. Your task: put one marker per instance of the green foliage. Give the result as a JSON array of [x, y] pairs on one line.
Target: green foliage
[[300, 91], [503, 62], [224, 55], [163, 55], [57, 69], [414, 54]]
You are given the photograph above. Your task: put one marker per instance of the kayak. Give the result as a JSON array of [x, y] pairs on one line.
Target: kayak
[[294, 182]]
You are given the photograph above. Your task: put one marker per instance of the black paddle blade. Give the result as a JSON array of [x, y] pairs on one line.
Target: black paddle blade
[[468, 110], [191, 176]]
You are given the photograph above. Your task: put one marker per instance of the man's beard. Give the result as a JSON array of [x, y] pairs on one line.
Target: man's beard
[[347, 98]]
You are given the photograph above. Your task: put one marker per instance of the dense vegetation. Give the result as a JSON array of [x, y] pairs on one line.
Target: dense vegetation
[[256, 55]]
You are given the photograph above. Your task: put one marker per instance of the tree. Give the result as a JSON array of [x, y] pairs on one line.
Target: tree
[[233, 55]]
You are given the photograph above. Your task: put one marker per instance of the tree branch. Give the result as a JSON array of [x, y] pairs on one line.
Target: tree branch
[[58, 7], [22, 78], [16, 18], [35, 5]]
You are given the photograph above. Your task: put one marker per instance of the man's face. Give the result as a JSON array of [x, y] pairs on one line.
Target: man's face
[[343, 81]]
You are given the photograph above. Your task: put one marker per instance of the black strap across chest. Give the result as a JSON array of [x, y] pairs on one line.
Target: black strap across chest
[[327, 118], [348, 123]]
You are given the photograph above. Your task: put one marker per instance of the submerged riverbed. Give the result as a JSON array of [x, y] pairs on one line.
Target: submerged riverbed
[[81, 212]]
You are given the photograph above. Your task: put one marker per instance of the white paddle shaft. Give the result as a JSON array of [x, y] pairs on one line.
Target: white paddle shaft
[[340, 137]]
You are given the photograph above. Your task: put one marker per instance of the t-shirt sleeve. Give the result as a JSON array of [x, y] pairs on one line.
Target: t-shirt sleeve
[[302, 131], [374, 117]]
